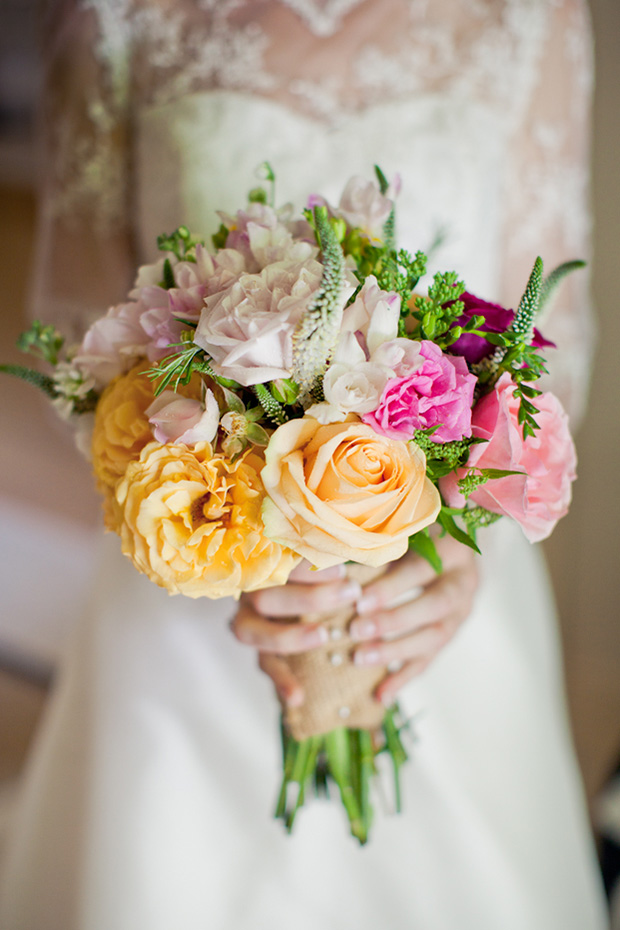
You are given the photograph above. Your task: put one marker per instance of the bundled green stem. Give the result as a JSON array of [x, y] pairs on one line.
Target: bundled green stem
[[346, 757]]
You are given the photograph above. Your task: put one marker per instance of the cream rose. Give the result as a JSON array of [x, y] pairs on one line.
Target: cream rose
[[341, 492]]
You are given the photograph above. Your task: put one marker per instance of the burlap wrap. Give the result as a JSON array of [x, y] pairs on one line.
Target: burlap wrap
[[337, 692]]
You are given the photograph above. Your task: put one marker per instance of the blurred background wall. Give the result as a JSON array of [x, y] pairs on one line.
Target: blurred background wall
[[39, 471]]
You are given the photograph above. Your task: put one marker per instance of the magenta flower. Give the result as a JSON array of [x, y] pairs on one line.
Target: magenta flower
[[497, 320], [439, 392]]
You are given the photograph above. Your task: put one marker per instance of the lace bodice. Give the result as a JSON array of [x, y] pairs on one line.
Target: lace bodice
[[522, 66]]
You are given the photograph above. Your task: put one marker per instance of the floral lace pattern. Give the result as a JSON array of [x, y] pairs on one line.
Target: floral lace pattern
[[526, 62]]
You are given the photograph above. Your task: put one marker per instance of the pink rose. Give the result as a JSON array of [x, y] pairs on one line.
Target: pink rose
[[182, 419], [541, 496], [439, 392]]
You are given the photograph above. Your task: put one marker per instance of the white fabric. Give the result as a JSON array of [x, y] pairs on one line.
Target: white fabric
[[148, 800]]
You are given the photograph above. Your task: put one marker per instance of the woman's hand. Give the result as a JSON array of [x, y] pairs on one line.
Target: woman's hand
[[261, 620], [404, 618]]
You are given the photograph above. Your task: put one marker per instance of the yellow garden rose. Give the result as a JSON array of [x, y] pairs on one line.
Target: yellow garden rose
[[341, 492], [122, 429], [191, 521]]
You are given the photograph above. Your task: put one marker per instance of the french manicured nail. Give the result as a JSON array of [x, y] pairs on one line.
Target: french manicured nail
[[366, 657], [316, 637], [362, 629], [349, 592], [366, 604], [294, 699]]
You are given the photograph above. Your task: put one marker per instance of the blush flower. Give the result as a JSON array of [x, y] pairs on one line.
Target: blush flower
[[341, 491], [248, 329], [540, 496], [437, 393], [191, 521], [183, 419], [363, 206], [374, 313]]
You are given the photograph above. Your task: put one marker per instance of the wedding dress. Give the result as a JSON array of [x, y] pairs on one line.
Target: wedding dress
[[148, 798]]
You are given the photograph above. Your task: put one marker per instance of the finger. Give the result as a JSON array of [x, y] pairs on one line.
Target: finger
[[289, 689], [450, 593], [409, 574], [422, 644], [388, 690], [304, 573], [272, 636], [294, 599]]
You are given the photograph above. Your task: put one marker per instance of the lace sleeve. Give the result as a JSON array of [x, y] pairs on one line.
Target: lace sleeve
[[84, 252], [547, 191]]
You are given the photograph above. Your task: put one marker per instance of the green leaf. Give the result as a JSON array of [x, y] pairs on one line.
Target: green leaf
[[381, 178], [168, 275], [424, 545], [450, 526]]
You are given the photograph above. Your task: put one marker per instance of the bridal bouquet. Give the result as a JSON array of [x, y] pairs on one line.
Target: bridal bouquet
[[290, 394]]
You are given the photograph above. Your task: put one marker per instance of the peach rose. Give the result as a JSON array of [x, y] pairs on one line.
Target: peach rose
[[191, 521], [341, 492]]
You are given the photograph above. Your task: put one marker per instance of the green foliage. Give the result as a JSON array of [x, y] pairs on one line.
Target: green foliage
[[285, 390], [344, 757], [436, 313], [258, 195], [266, 173], [31, 376], [552, 281], [181, 243], [476, 477], [43, 341], [423, 543], [442, 457], [381, 179], [273, 409], [400, 272], [220, 238], [178, 367], [523, 323], [316, 335], [447, 522], [475, 517]]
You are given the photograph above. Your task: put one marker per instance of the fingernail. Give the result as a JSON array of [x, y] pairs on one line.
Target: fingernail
[[366, 657], [386, 698], [316, 637], [349, 592], [295, 698], [341, 570], [362, 629], [366, 604]]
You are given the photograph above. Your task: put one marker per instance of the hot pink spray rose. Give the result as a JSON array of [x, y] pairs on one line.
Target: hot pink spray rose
[[438, 392], [538, 498]]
